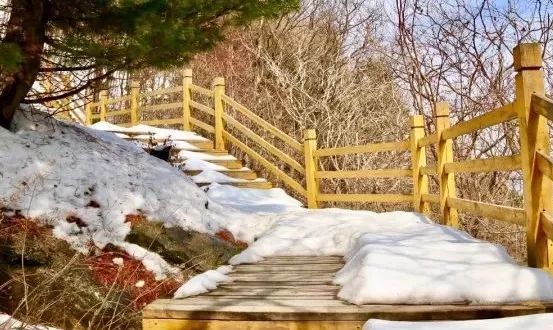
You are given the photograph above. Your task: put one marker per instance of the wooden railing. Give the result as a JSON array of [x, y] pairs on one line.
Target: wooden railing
[[224, 118]]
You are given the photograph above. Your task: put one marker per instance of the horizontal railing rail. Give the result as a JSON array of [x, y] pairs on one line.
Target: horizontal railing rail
[[540, 177]]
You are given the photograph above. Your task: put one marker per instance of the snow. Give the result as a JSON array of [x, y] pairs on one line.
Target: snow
[[429, 263], [195, 164], [323, 232], [186, 154], [209, 176], [7, 322], [165, 133], [151, 261], [145, 132], [526, 322], [401, 257], [183, 145], [118, 261], [51, 171], [204, 282], [261, 201]]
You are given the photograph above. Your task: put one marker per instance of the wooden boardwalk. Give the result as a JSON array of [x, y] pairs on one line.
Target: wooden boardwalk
[[298, 293]]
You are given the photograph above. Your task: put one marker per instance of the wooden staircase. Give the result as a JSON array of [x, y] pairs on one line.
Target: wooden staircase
[[239, 175], [234, 169]]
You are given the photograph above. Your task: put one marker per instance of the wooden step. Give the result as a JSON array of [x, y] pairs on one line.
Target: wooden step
[[252, 184], [233, 164], [207, 145], [212, 152], [237, 174], [208, 151]]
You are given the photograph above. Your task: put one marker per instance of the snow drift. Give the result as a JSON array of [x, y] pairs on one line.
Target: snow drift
[[85, 182]]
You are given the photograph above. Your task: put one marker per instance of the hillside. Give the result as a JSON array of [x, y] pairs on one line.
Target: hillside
[[96, 227], [115, 225]]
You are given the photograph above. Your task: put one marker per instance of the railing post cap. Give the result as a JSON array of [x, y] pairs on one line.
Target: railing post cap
[[135, 84], [103, 93], [187, 72], [219, 81], [527, 56], [442, 109], [417, 121], [310, 134]]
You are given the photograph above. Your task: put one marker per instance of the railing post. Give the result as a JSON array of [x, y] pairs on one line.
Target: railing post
[[218, 92], [309, 148], [186, 82], [88, 113], [534, 136], [445, 155], [135, 101], [418, 160], [103, 105]]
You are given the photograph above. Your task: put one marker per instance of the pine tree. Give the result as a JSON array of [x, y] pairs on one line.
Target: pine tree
[[84, 37]]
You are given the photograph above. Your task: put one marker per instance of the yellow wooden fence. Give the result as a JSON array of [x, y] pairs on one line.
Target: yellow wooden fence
[[531, 109]]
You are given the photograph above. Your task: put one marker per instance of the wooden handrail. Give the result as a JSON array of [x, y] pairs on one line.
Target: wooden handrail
[[266, 145], [546, 220], [202, 107], [263, 123], [430, 198], [163, 106], [367, 198], [503, 213], [544, 163], [498, 116], [542, 106], [428, 170], [198, 123], [201, 90], [428, 140], [506, 163], [270, 167], [380, 173], [367, 148]]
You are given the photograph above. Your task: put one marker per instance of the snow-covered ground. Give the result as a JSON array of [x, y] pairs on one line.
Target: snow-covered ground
[[9, 323], [527, 322], [84, 182], [52, 170]]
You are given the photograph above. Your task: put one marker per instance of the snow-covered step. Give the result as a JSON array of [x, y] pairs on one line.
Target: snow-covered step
[[242, 184], [231, 164], [211, 152], [238, 174]]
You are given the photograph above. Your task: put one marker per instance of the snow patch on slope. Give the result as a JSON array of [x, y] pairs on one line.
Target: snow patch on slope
[[204, 282], [526, 322], [84, 182], [7, 322]]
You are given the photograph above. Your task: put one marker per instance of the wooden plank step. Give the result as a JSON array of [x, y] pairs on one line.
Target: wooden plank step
[[282, 277], [268, 296], [252, 184], [263, 268], [272, 292], [234, 164], [208, 144], [283, 309], [208, 151], [252, 286], [237, 174], [300, 260]]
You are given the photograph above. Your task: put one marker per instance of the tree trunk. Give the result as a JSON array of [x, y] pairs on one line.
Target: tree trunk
[[27, 29]]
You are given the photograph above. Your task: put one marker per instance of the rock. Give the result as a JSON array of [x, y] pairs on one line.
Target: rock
[[181, 247]]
